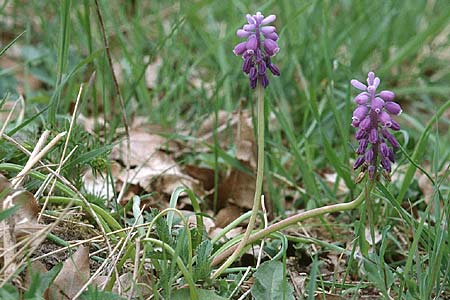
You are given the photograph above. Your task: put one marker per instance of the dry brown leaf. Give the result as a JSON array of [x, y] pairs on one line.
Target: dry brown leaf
[[206, 129], [227, 215], [25, 218], [72, 277], [238, 188], [143, 145], [204, 175]]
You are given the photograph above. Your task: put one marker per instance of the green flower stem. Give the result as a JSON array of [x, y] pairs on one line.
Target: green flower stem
[[292, 220], [259, 182]]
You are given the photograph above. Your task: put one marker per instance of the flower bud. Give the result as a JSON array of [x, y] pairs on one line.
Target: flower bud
[[387, 95]]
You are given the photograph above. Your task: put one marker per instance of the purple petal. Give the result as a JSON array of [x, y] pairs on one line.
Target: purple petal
[[370, 78], [273, 36], [361, 134], [264, 80], [250, 19], [360, 112], [359, 161], [268, 19], [394, 125], [393, 108], [246, 66], [359, 85], [377, 104], [387, 95], [384, 149], [369, 156], [262, 68], [385, 119], [390, 138], [386, 164], [274, 69], [362, 98], [253, 74], [252, 43], [258, 17], [365, 124], [376, 82], [373, 135], [271, 47], [268, 29], [240, 48], [249, 27], [242, 33], [362, 146], [391, 155]]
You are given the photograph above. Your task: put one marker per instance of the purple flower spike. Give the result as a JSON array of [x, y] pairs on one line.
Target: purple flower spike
[[374, 118], [260, 46]]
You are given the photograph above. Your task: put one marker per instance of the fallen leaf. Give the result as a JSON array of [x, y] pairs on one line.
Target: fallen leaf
[[143, 146], [238, 188], [74, 274], [25, 217], [227, 215], [204, 175]]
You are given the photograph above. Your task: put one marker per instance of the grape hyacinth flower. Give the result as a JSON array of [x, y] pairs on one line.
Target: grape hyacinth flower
[[257, 52], [373, 118]]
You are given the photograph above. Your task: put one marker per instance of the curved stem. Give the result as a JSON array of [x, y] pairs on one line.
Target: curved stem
[[259, 182], [292, 220]]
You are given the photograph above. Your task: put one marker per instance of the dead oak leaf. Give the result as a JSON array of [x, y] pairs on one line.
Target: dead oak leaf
[[72, 277], [143, 145]]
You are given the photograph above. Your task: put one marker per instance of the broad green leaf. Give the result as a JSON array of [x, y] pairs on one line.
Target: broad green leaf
[[270, 282]]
